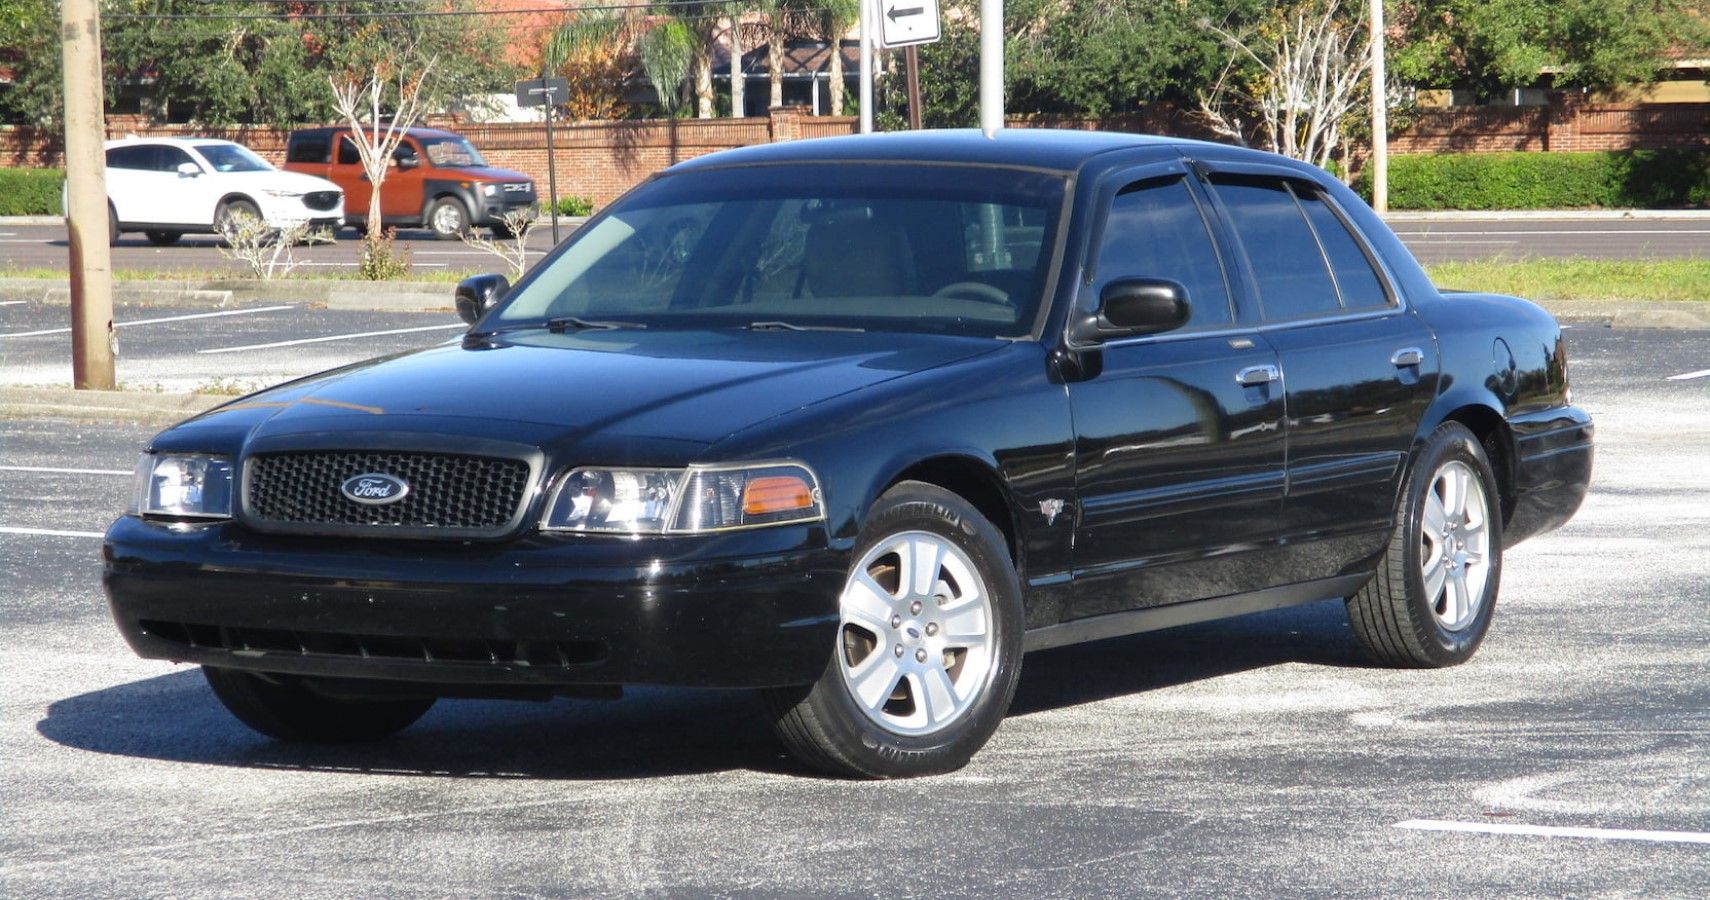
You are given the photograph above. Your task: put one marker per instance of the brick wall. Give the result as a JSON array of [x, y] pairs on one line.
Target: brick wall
[[598, 160], [1562, 126], [601, 160]]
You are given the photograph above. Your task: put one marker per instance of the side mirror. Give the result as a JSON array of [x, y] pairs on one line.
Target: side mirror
[[188, 170], [1135, 306], [408, 162], [477, 294]]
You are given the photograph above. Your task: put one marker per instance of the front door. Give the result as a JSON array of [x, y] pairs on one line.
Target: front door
[[1179, 443], [401, 196]]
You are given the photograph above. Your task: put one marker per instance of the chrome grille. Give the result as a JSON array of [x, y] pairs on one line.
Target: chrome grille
[[321, 200], [464, 495]]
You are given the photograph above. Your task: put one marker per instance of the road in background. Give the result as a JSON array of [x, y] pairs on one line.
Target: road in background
[[1254, 757], [1431, 240]]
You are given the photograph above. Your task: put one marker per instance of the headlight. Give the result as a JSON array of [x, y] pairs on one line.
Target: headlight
[[683, 501], [184, 485], [284, 195], [490, 190]]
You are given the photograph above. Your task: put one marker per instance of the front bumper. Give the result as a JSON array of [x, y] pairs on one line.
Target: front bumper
[[494, 209], [1552, 471], [753, 609]]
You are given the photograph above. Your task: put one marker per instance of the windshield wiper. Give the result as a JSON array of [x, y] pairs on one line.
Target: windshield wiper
[[561, 324], [791, 326]]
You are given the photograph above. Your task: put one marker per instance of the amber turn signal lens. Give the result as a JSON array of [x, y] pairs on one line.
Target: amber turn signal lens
[[776, 494]]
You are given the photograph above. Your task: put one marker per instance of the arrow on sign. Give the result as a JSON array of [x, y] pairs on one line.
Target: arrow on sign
[[897, 13]]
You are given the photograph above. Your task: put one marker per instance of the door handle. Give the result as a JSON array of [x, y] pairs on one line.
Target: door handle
[[1407, 356], [1253, 376]]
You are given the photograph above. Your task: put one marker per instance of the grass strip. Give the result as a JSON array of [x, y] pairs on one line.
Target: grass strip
[[1580, 279]]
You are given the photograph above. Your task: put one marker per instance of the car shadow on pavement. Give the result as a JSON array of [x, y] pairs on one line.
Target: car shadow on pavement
[[656, 731], [650, 732], [1316, 634]]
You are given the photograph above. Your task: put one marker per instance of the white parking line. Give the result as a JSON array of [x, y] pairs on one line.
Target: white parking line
[[336, 337], [1684, 376], [1607, 834], [212, 315], [50, 532], [13, 302], [55, 471], [352, 264]]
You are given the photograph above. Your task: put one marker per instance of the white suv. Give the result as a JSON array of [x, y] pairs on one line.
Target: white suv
[[167, 187]]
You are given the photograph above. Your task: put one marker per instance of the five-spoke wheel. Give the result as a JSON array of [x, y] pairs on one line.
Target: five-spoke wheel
[[928, 644], [1431, 601]]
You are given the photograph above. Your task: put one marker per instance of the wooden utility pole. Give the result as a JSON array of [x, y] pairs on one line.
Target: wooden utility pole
[[1380, 115], [86, 216]]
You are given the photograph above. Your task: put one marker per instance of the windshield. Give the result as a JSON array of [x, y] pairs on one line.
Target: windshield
[[898, 247], [452, 153], [232, 158]]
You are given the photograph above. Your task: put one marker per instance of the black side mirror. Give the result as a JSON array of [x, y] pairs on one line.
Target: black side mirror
[[408, 162], [1134, 306], [477, 294]]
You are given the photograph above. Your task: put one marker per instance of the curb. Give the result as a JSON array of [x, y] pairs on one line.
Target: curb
[[121, 407], [32, 220], [392, 296], [1670, 314]]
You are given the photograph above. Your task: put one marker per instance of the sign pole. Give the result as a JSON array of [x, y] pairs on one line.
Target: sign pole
[[551, 162], [911, 62], [991, 66], [866, 67], [1380, 115]]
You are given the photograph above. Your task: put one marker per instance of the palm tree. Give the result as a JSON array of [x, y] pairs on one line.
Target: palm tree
[[783, 19], [832, 20]]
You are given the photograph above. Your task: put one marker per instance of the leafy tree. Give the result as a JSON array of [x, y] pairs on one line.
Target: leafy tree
[[1492, 46], [30, 48]]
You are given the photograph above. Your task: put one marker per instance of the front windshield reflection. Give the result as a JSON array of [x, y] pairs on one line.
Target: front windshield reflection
[[956, 249]]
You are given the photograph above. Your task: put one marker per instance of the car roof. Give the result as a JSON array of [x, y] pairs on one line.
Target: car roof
[[131, 139], [329, 130], [1044, 148]]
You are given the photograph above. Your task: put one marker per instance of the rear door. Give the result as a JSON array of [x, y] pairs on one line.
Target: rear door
[[131, 180], [1179, 447], [1358, 368]]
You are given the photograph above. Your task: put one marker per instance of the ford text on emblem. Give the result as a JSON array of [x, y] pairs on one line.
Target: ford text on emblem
[[375, 488]]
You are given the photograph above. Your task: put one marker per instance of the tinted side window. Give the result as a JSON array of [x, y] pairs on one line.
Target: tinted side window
[[347, 155], [1293, 278], [168, 159], [1359, 282], [307, 150], [1155, 230], [130, 158]]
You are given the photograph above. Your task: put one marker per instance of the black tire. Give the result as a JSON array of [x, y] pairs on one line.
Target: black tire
[[231, 209], [281, 707], [501, 231], [163, 238], [828, 728], [1399, 619], [448, 219], [112, 226]]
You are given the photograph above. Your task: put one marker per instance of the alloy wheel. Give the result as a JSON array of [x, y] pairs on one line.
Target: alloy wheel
[[1455, 545]]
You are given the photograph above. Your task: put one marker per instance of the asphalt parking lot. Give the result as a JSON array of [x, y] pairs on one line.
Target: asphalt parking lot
[[1253, 757]]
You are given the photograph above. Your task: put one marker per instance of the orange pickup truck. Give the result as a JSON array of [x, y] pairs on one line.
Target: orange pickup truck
[[438, 180]]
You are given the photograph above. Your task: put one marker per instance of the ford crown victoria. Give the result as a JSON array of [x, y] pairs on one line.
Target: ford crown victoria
[[857, 423]]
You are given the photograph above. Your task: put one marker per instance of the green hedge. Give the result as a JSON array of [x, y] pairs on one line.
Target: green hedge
[[30, 192], [1633, 179]]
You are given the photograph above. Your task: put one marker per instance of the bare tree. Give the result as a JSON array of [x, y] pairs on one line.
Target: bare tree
[[514, 250], [266, 250], [360, 98], [1294, 82]]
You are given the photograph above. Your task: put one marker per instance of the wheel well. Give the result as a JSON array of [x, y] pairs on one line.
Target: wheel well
[[975, 483], [1492, 432]]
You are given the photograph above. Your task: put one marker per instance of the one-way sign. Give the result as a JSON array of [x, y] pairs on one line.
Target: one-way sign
[[905, 22]]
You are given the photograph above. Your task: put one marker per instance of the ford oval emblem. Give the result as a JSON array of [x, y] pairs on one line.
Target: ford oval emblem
[[375, 488]]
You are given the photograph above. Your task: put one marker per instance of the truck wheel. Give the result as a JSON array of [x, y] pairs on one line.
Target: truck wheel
[[281, 707], [928, 648], [1431, 601], [112, 226], [233, 209], [448, 219]]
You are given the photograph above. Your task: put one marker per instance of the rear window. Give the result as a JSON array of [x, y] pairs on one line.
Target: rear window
[[1294, 280], [307, 150]]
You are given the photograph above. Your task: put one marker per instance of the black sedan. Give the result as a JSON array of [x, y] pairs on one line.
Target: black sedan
[[858, 422]]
